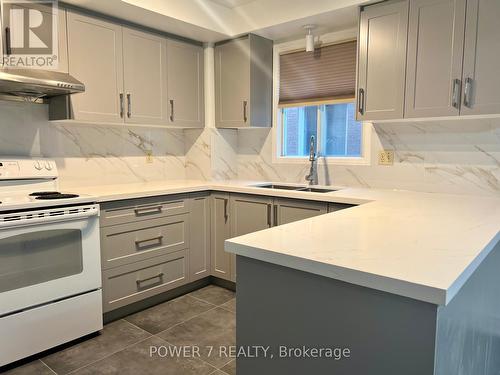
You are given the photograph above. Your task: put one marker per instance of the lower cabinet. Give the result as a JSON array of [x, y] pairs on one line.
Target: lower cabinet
[[290, 210], [248, 214], [152, 245], [199, 236], [220, 231], [136, 281]]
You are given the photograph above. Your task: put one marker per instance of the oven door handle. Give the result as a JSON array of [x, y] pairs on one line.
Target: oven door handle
[[48, 216]]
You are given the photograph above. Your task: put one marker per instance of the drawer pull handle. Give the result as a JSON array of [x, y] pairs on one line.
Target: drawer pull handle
[[159, 276], [148, 210], [157, 238]]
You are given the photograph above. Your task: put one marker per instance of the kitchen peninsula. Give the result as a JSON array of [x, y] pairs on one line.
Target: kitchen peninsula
[[408, 283]]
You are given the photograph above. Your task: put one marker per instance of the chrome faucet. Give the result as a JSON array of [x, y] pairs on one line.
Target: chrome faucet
[[312, 177]]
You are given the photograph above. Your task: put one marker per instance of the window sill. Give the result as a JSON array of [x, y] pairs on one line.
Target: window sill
[[324, 160]]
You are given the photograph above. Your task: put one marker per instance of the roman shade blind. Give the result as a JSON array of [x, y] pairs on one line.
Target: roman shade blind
[[328, 73]]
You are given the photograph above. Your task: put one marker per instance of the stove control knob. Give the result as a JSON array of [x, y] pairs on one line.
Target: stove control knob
[[38, 166], [48, 166]]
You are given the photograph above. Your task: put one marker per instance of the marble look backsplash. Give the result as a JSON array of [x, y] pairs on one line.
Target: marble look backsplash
[[88, 154], [451, 156], [455, 156]]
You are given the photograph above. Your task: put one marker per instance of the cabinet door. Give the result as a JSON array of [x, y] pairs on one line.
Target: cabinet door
[[332, 207], [199, 233], [435, 51], [220, 231], [382, 61], [145, 77], [185, 85], [290, 210], [232, 83], [249, 214], [481, 94], [95, 58]]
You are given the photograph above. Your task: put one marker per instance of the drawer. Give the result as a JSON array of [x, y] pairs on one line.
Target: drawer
[[137, 281], [127, 243], [134, 210]]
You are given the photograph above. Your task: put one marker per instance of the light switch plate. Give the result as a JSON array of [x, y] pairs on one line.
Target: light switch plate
[[386, 157]]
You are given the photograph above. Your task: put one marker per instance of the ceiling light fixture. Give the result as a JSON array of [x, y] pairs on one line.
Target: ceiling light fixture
[[309, 38]]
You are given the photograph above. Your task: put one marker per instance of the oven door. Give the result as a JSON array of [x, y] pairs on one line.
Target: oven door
[[48, 255]]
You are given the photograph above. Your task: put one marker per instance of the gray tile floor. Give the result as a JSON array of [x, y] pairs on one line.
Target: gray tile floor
[[204, 318]]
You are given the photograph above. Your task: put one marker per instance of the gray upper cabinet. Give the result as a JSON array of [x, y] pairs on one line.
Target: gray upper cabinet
[[199, 243], [185, 85], [382, 60], [481, 94], [138, 78], [145, 77], [221, 262], [435, 50], [243, 82], [96, 59], [290, 210]]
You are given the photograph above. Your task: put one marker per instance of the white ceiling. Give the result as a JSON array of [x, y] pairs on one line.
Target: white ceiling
[[215, 20], [232, 3]]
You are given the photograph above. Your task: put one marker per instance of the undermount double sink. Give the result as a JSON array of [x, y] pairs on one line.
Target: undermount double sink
[[297, 188]]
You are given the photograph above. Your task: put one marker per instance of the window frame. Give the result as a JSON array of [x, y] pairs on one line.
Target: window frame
[[277, 143]]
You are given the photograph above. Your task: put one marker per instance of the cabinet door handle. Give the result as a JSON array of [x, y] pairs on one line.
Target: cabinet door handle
[[361, 101], [269, 219], [245, 104], [148, 210], [140, 281], [129, 106], [122, 105], [171, 110], [467, 92], [455, 99], [159, 239], [226, 201], [276, 215], [8, 47]]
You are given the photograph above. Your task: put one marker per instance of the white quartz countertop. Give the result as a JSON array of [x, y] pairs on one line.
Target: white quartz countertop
[[419, 245]]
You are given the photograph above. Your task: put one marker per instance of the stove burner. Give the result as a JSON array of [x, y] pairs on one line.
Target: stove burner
[[42, 193], [56, 196]]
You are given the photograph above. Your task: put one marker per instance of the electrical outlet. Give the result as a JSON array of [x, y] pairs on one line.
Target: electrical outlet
[[386, 157], [149, 156]]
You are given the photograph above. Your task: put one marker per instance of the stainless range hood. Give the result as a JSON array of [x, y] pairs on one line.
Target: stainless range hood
[[36, 85]]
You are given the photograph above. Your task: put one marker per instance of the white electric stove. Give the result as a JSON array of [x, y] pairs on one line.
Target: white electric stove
[[50, 269]]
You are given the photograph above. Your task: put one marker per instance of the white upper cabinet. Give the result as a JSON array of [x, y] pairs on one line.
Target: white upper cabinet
[[186, 107], [382, 60], [481, 93], [435, 50], [96, 59], [145, 77]]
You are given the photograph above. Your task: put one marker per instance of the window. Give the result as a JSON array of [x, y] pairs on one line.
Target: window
[[316, 99], [334, 127]]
